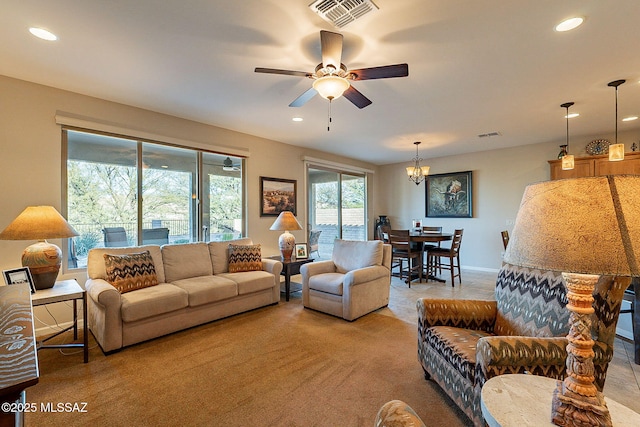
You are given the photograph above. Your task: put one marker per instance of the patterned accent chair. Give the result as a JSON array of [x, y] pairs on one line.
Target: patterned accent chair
[[463, 343]]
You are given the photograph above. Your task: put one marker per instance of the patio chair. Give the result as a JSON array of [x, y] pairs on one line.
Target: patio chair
[[115, 237]]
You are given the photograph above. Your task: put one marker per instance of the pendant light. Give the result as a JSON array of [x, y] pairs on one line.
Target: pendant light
[[616, 151], [567, 159], [416, 172]]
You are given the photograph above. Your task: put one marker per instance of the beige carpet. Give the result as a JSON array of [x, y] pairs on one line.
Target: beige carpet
[[281, 365]]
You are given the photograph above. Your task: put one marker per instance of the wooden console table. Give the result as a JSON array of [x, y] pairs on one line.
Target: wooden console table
[[18, 355]]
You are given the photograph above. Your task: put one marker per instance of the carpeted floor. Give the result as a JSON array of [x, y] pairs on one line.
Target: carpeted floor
[[276, 366]]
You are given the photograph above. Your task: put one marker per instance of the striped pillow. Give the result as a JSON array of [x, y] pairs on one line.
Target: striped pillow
[[130, 272], [244, 258]]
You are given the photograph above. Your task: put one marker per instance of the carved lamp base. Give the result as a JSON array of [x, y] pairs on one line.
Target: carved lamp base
[[573, 410]]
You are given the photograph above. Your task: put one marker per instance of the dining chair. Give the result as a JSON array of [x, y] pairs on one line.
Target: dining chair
[[402, 250], [438, 255], [505, 238], [426, 247]]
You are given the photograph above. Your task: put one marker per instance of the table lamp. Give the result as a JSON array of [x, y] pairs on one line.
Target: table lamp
[[286, 221], [585, 228], [42, 258]]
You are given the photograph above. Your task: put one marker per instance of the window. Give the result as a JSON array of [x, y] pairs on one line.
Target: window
[[124, 192], [337, 205]]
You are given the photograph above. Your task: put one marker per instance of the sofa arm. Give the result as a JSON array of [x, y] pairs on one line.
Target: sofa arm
[[104, 311], [365, 275], [499, 355], [272, 266], [468, 314]]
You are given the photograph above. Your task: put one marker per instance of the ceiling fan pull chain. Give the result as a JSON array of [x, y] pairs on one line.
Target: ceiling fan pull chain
[[329, 118]]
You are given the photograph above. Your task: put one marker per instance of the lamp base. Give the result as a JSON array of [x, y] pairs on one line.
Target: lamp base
[[286, 243], [44, 260], [571, 409]]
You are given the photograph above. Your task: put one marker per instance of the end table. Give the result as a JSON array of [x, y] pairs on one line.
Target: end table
[[65, 290], [290, 268]]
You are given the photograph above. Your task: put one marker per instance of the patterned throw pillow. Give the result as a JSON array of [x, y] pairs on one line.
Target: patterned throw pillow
[[130, 272], [244, 258]]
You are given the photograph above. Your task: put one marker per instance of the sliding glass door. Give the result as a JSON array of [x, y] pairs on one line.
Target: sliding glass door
[[337, 202]]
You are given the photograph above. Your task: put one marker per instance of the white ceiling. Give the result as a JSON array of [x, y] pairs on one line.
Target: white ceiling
[[475, 66]]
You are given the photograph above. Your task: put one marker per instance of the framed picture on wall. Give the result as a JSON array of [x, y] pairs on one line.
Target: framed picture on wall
[[449, 195], [18, 276], [277, 195]]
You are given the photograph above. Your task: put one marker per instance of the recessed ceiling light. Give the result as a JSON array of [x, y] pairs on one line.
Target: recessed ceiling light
[[572, 115], [569, 24], [43, 34], [297, 119], [630, 118]]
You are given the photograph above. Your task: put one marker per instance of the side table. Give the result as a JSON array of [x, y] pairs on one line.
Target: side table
[[525, 400], [65, 290], [290, 268]]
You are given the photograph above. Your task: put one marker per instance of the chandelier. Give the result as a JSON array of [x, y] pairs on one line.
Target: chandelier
[[416, 172]]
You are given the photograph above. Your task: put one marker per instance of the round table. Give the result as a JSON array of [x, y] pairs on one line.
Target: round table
[[525, 400]]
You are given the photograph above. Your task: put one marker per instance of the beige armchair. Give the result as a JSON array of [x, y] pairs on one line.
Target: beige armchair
[[356, 280]]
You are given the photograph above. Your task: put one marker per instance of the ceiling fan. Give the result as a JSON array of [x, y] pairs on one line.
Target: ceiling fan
[[332, 78]]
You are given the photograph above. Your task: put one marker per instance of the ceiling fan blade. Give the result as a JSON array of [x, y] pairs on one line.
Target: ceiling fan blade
[[302, 99], [384, 72], [331, 45], [283, 72], [358, 99]]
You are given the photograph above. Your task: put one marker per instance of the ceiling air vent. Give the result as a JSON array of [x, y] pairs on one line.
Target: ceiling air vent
[[489, 134], [342, 12]]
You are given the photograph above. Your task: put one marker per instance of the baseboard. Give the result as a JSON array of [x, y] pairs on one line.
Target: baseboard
[[52, 329], [485, 269]]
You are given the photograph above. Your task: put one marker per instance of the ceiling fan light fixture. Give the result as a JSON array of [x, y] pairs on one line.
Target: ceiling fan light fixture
[[227, 165], [331, 87]]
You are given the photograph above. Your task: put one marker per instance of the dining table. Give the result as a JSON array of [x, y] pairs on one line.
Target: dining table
[[422, 237]]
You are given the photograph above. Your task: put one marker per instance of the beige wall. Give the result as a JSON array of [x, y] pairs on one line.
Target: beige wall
[[30, 156], [499, 179]]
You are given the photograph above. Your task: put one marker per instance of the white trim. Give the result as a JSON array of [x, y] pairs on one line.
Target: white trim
[[485, 269], [342, 166], [92, 124]]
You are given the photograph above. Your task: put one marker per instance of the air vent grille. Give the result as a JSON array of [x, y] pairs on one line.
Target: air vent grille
[[488, 134], [342, 12]]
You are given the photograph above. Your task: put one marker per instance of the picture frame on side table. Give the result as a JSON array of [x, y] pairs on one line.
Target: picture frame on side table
[[449, 195], [301, 251], [277, 195], [18, 276]]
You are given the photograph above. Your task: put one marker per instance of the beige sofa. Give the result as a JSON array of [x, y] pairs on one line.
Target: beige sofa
[[354, 282], [194, 287]]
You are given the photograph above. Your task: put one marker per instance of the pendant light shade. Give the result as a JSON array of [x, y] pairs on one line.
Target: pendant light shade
[[568, 159], [616, 151]]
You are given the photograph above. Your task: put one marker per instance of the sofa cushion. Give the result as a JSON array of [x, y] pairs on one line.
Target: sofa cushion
[[456, 345], [244, 258], [351, 255], [207, 289], [152, 301], [95, 261], [531, 302], [186, 260], [130, 272], [251, 281], [219, 252], [331, 283]]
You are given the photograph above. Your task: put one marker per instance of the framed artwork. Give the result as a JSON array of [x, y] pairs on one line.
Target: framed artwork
[[277, 195], [301, 250], [449, 195], [18, 276]]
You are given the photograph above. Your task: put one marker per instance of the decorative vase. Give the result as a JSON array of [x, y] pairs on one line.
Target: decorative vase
[[563, 151]]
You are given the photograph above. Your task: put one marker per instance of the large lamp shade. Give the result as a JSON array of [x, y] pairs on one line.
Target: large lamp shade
[[42, 258], [585, 228]]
